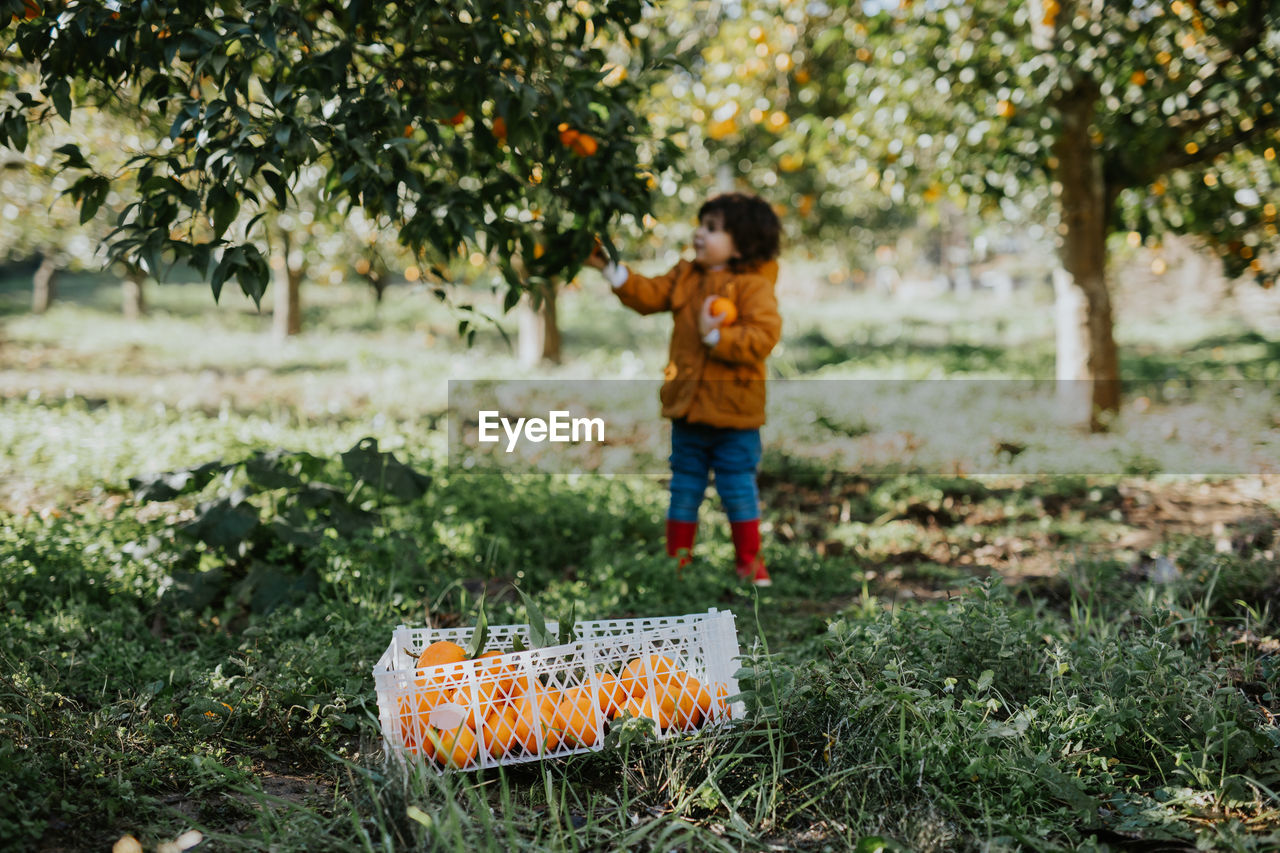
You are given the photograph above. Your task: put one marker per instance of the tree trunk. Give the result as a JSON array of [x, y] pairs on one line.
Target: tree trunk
[[538, 337], [287, 315], [135, 304], [44, 284], [550, 326], [1085, 214]]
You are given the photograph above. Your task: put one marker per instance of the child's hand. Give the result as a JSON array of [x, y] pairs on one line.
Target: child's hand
[[597, 259], [706, 320]]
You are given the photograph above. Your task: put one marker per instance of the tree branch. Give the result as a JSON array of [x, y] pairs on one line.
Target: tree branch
[[1180, 158]]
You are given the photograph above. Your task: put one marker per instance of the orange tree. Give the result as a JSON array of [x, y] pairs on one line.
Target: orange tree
[[447, 120], [1148, 117], [742, 105]]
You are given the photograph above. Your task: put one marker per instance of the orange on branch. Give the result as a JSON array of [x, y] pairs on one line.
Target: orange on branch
[[500, 129], [722, 307], [457, 118], [585, 145], [568, 135]]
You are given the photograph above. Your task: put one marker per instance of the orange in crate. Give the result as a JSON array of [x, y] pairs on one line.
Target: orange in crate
[[509, 707]]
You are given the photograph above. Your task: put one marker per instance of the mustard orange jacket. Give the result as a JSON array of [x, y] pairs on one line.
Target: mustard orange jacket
[[723, 385]]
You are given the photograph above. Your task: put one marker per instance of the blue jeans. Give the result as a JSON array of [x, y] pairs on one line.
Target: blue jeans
[[734, 455]]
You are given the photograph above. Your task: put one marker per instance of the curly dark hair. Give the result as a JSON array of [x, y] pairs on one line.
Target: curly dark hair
[[751, 223]]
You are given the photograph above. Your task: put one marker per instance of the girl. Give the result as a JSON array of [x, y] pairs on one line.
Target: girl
[[714, 391]]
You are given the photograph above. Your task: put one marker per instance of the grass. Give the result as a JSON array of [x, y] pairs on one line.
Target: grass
[[945, 662]]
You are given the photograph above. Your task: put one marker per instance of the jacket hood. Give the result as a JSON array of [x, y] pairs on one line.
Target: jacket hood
[[768, 269], [764, 269]]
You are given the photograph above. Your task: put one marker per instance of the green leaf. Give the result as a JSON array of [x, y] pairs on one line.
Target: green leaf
[[224, 209], [194, 591], [74, 158], [339, 513], [60, 94], [277, 469], [567, 624], [169, 484], [539, 637], [984, 681], [292, 534], [383, 471], [222, 523], [480, 636], [267, 587], [279, 187], [227, 264]]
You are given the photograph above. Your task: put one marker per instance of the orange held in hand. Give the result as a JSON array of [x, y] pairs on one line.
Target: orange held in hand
[[722, 307]]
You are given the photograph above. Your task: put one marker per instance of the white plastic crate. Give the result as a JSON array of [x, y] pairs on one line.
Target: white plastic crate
[[557, 700]]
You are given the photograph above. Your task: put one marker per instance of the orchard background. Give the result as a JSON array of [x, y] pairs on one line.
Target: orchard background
[[403, 194]]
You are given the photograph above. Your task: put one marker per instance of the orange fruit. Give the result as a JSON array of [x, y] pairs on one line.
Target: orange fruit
[[456, 748], [500, 134], [457, 118], [691, 698], [635, 675], [610, 693], [441, 652], [500, 730], [661, 708], [568, 135], [575, 718], [722, 307], [535, 710], [722, 705], [438, 684], [408, 723], [585, 145], [504, 672], [477, 700]]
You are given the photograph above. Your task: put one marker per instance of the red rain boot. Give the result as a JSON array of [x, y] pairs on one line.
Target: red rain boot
[[746, 546], [680, 540]]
